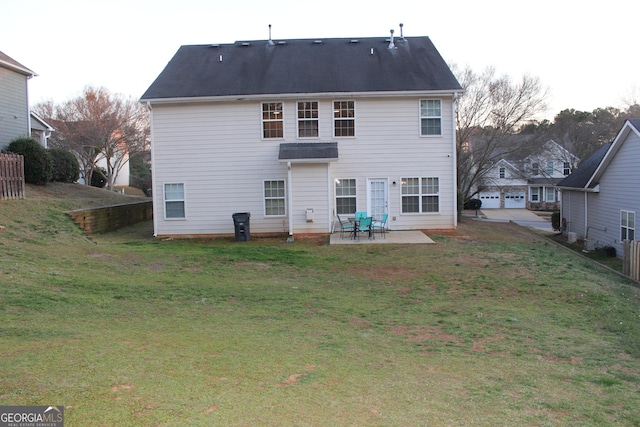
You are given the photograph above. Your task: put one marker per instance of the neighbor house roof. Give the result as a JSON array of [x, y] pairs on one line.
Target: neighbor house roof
[[7, 62], [587, 176], [304, 66]]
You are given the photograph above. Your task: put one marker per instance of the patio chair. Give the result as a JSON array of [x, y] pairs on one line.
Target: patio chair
[[360, 215], [345, 226], [381, 225], [365, 225]]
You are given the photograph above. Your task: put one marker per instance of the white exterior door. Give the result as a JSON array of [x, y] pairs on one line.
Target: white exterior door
[[377, 200]]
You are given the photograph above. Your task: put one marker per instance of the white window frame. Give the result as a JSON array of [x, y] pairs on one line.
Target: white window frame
[[172, 199], [266, 197], [314, 117], [535, 168], [550, 168], [421, 193], [264, 120], [502, 172], [566, 168], [535, 194], [627, 225], [426, 113], [549, 194], [337, 117], [353, 196]]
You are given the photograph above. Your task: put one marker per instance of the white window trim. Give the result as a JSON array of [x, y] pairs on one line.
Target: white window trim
[[421, 195], [335, 193], [264, 198], [263, 120], [298, 120], [420, 117], [334, 119], [183, 200], [622, 212]]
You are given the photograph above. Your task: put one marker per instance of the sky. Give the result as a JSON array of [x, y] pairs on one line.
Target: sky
[[581, 53]]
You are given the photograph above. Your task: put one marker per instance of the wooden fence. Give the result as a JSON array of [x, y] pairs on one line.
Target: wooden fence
[[11, 176], [631, 259]]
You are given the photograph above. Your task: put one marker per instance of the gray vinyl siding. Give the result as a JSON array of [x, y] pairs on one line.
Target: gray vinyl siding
[[618, 191], [217, 151], [573, 211], [14, 107]]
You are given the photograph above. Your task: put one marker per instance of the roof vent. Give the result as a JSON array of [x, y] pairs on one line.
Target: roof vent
[[317, 42], [270, 42], [245, 44], [282, 43], [391, 45], [401, 34], [215, 46], [354, 41]]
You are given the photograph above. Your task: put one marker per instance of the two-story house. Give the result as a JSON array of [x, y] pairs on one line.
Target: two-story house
[[296, 132], [14, 100], [527, 177]]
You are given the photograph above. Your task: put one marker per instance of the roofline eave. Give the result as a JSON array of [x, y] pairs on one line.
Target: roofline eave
[[296, 95]]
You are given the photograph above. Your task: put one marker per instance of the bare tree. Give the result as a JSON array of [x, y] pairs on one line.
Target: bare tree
[[490, 111], [99, 125]]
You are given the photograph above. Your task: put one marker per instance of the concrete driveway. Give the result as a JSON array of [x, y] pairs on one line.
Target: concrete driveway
[[523, 217]]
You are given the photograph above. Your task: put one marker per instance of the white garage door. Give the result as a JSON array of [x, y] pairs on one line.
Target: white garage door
[[490, 200], [514, 200]]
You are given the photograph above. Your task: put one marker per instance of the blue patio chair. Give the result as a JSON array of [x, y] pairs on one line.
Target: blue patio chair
[[381, 225], [365, 225], [360, 215], [344, 226]]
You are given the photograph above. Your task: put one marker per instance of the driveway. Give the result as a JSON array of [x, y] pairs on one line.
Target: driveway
[[523, 217]]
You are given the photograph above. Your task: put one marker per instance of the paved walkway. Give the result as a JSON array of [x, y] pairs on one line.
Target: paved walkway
[[523, 217], [399, 237]]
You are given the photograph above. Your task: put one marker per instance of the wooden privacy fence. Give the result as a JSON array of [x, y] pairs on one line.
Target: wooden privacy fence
[[631, 259], [11, 176]]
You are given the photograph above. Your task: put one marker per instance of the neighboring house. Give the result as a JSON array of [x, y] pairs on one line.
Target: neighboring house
[[14, 100], [40, 130], [601, 198], [296, 132], [526, 178]]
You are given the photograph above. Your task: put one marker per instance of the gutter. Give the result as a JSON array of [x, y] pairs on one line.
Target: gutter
[[290, 202]]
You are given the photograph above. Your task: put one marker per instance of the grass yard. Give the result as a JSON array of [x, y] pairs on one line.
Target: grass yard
[[491, 326]]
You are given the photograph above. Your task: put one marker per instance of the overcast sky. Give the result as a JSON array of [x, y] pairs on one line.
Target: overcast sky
[[583, 53]]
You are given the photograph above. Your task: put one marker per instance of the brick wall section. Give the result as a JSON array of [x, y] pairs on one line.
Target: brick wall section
[[110, 218]]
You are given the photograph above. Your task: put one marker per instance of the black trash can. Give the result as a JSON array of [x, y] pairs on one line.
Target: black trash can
[[241, 225]]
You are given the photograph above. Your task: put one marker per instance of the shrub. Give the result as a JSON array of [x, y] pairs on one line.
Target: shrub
[[38, 165], [473, 204], [99, 178], [65, 165], [555, 220]]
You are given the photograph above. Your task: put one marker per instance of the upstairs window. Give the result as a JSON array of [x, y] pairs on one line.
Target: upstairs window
[[174, 201], [550, 168], [345, 196], [503, 172], [272, 122], [627, 225], [430, 117], [566, 168], [274, 198], [344, 118], [420, 195], [535, 168], [307, 119]]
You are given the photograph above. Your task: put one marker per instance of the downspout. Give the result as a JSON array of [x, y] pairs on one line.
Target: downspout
[[153, 173], [290, 202], [330, 212], [454, 99]]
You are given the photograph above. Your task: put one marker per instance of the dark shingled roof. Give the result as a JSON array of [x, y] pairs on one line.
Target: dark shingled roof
[[309, 151], [10, 63], [303, 66], [581, 176]]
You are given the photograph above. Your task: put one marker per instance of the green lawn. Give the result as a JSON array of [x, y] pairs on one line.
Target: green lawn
[[491, 326]]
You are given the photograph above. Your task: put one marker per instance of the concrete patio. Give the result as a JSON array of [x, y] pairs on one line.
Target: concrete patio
[[398, 237]]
